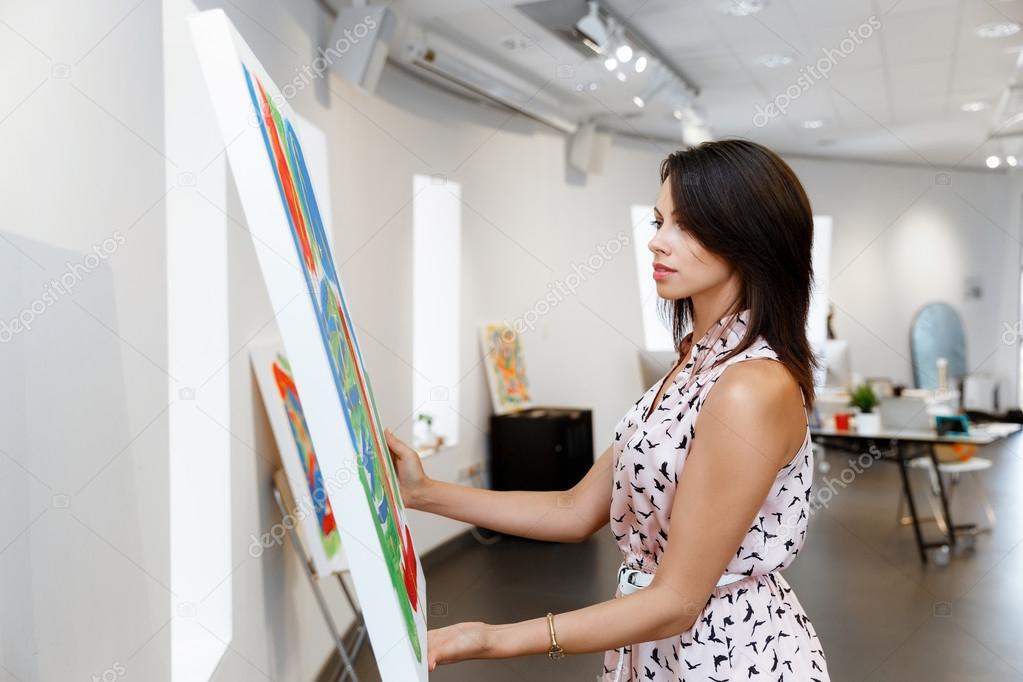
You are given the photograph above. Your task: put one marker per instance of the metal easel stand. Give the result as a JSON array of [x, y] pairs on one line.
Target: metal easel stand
[[347, 653]]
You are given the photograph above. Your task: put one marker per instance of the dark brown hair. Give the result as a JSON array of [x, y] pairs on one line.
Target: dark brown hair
[[742, 202]]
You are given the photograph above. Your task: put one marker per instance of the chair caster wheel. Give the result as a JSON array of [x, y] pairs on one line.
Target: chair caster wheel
[[940, 556], [967, 542]]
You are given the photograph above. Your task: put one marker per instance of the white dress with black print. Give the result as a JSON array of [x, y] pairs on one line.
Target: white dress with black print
[[752, 629]]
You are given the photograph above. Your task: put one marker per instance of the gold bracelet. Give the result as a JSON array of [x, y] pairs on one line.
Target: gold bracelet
[[555, 652]]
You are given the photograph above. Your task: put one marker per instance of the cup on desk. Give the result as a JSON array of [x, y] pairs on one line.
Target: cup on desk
[[842, 421]]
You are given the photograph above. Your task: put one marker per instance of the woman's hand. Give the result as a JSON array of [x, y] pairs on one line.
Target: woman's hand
[[411, 477], [459, 642]]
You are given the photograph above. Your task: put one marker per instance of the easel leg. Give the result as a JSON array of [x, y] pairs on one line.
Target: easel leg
[[346, 662], [360, 632]]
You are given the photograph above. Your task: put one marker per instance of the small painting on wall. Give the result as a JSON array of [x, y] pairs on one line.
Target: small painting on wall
[[506, 370]]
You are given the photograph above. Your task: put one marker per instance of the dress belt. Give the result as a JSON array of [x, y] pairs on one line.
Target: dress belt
[[630, 580]]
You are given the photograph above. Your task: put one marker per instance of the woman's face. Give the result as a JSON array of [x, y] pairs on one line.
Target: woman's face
[[682, 267]]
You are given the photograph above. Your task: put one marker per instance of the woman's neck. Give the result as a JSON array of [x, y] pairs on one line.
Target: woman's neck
[[711, 305]]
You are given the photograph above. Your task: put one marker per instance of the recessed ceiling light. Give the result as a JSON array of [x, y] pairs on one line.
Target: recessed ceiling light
[[742, 8], [640, 64], [993, 162], [974, 106], [998, 29], [624, 53], [813, 124], [610, 63], [620, 76], [1011, 161], [773, 61], [638, 101]]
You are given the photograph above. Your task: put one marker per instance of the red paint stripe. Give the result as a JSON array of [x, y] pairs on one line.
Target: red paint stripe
[[287, 182]]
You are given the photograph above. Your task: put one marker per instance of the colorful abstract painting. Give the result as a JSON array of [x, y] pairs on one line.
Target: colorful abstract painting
[[320, 340], [506, 370], [376, 471], [325, 521], [309, 489]]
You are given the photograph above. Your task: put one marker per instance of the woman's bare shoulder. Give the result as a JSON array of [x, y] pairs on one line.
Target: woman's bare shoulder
[[761, 397]]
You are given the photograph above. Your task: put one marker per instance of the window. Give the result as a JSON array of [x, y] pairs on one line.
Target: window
[[657, 335], [436, 297]]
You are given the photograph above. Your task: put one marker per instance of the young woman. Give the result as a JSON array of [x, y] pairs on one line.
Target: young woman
[[707, 480]]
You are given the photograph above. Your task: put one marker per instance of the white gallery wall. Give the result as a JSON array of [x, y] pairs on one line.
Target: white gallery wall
[[84, 541], [85, 463], [905, 236]]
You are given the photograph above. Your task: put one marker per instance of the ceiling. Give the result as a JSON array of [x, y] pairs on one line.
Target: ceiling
[[895, 93]]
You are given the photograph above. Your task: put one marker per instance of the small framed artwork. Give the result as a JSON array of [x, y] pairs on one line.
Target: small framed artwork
[[506, 370]]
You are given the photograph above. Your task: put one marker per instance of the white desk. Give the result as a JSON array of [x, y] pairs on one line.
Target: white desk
[[895, 440]]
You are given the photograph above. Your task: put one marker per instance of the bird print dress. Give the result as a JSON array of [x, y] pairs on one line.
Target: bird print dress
[[753, 628]]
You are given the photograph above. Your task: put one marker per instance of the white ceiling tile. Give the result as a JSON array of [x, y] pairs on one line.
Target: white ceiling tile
[[718, 71], [905, 6], [920, 35], [980, 76], [813, 13], [919, 79]]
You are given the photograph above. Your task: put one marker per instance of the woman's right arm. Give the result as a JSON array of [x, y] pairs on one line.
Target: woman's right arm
[[559, 516]]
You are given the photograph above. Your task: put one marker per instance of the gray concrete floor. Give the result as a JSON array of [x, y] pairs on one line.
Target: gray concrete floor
[[879, 613]]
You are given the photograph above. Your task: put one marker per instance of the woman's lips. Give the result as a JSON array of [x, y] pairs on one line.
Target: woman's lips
[[662, 271]]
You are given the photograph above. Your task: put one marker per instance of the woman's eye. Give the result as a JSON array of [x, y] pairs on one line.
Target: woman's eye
[[655, 224]]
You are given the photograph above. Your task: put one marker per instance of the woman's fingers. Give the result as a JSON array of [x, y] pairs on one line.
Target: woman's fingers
[[394, 444]]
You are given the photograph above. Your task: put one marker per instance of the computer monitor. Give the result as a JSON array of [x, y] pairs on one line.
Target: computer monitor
[[837, 363]]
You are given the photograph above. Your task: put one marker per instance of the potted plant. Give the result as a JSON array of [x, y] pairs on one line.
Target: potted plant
[[425, 435], [868, 422]]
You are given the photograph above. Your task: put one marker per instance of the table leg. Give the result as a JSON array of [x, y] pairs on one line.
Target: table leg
[[950, 526], [904, 472]]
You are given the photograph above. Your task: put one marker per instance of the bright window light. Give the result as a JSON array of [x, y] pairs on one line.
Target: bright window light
[[198, 344], [436, 292]]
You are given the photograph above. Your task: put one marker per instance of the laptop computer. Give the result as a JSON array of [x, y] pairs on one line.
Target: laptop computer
[[909, 414]]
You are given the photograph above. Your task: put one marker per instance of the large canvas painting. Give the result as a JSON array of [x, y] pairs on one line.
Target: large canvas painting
[[290, 241], [310, 490], [506, 370]]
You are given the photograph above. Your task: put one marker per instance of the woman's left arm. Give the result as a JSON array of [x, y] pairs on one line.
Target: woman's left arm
[[749, 428]]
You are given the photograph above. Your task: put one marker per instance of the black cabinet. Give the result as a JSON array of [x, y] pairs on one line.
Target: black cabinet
[[542, 448]]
